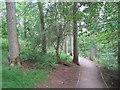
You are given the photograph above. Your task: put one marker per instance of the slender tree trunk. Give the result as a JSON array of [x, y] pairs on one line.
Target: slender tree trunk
[[42, 25], [66, 44], [25, 28], [71, 44], [75, 43], [25, 33], [12, 31], [63, 47], [57, 50]]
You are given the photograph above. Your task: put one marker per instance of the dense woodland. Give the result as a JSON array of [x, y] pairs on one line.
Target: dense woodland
[[50, 33]]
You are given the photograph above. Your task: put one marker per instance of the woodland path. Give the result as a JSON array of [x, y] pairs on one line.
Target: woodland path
[[89, 75]]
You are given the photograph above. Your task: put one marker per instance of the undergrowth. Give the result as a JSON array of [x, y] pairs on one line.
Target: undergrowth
[[65, 57], [28, 78]]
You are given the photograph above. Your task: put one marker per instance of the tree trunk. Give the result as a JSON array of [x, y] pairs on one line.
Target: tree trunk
[[12, 31], [75, 42], [25, 28], [71, 44], [57, 50], [66, 44], [25, 33], [42, 25], [63, 47]]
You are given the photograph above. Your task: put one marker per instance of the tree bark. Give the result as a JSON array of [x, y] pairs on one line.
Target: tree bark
[[25, 28], [75, 42], [63, 46], [71, 44], [66, 44], [14, 50], [57, 50], [25, 33], [42, 25]]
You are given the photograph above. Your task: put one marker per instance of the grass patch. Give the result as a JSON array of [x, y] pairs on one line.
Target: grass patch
[[22, 78]]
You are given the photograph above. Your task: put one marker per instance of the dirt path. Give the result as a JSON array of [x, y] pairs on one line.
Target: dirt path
[[62, 77], [89, 76]]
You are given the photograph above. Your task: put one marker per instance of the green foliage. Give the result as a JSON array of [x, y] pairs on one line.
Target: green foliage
[[58, 23], [4, 44], [105, 28], [42, 60], [3, 21], [79, 15], [4, 54], [47, 60], [24, 78], [21, 78], [65, 57], [108, 61], [18, 78]]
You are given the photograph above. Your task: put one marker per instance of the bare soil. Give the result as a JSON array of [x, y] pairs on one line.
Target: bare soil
[[28, 64], [62, 77]]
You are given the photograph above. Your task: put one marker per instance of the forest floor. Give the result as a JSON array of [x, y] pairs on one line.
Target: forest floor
[[87, 75], [62, 77]]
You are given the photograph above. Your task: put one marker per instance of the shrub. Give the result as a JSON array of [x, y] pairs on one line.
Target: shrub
[[65, 57], [32, 51], [47, 60], [108, 62], [42, 60]]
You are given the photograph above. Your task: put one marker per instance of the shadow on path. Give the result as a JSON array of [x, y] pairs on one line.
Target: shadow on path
[[89, 76]]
